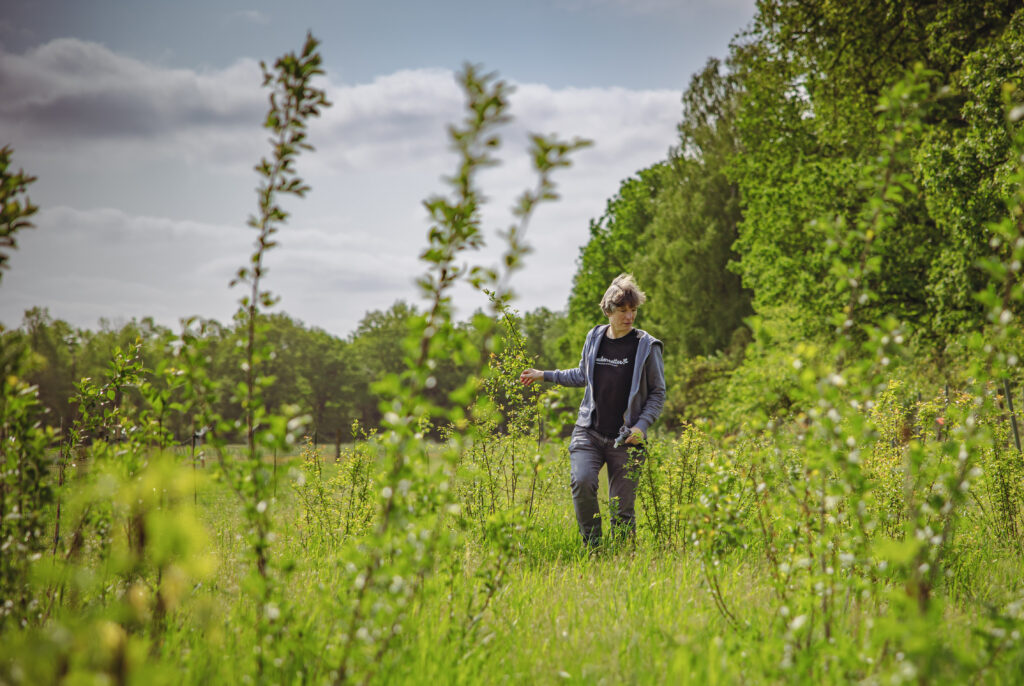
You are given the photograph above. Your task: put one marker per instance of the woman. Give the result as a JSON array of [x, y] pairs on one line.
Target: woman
[[622, 370]]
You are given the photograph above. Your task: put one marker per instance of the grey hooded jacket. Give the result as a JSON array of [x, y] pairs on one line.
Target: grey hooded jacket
[[646, 393]]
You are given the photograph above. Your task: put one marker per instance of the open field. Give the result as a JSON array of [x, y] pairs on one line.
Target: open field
[[522, 601]]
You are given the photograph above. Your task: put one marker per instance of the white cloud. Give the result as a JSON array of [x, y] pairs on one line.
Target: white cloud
[[148, 173], [72, 90], [396, 120], [87, 264]]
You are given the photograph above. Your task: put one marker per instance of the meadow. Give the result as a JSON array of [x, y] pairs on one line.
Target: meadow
[[799, 578], [870, 531]]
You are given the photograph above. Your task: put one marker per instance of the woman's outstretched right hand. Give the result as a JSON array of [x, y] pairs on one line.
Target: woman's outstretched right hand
[[530, 375]]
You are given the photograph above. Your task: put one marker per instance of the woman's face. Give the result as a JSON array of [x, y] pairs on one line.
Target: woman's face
[[622, 317]]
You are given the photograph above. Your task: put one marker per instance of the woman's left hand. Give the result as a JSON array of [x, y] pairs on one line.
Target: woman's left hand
[[636, 436]]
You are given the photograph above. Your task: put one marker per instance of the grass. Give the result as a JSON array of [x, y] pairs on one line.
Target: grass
[[634, 613]]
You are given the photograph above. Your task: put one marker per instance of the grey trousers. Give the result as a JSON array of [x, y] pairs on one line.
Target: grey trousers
[[588, 452]]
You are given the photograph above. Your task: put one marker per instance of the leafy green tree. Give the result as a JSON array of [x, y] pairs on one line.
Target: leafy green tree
[[963, 171], [616, 239], [285, 338], [377, 351], [328, 378], [541, 330], [15, 205], [26, 482], [54, 364], [696, 302], [812, 73]]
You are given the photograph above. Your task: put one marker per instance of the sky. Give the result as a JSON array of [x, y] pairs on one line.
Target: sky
[[141, 120]]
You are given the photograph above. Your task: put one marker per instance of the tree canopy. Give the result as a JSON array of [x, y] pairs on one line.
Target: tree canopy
[[774, 174]]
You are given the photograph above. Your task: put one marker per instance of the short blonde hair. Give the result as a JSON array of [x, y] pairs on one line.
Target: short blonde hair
[[622, 291]]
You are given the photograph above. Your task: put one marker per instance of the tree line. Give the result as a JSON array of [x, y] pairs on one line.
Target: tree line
[[328, 378], [736, 234]]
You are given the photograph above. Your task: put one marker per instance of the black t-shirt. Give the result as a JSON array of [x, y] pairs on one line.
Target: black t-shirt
[[613, 375]]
